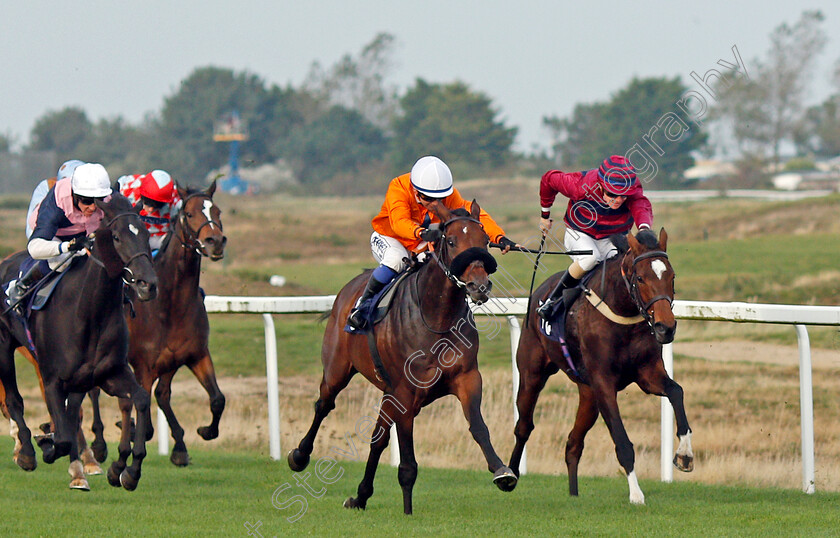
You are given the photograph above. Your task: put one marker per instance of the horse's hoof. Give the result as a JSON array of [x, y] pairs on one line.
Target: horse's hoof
[[638, 499], [207, 433], [128, 481], [80, 484], [92, 468], [27, 462], [505, 479], [114, 475], [684, 463], [100, 451], [47, 446], [180, 458], [297, 460], [352, 502]]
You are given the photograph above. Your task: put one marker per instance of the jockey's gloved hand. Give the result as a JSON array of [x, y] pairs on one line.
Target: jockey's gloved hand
[[506, 244], [78, 243], [431, 234]]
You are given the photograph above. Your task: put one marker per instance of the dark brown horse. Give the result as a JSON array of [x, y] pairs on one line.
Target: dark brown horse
[[606, 355], [427, 347], [81, 340], [172, 330]]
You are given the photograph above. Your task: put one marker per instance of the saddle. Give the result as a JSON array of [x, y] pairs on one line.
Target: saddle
[[376, 308]]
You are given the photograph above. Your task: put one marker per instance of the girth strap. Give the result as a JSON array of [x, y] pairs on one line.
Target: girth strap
[[377, 360]]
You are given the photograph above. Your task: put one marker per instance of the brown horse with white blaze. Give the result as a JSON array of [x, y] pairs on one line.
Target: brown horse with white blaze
[[426, 347], [173, 330], [610, 346]]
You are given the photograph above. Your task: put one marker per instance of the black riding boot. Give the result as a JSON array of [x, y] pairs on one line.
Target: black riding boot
[[566, 282], [16, 292], [355, 319]]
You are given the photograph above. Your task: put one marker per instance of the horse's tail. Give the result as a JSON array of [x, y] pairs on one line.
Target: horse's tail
[[323, 316]]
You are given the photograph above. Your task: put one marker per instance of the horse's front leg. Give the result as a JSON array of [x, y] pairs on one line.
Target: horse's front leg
[[124, 385], [124, 446], [468, 391], [206, 375], [163, 393], [605, 396], [76, 470], [62, 439], [655, 380]]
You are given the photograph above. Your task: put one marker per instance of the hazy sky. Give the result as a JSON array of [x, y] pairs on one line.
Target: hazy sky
[[532, 58]]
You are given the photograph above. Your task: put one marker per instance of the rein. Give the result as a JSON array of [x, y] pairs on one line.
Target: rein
[[192, 240]]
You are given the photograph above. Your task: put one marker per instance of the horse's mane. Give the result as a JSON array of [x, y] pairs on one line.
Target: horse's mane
[[460, 212], [646, 237]]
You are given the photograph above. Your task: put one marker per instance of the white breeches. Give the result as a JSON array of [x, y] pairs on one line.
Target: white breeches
[[388, 251], [601, 248]]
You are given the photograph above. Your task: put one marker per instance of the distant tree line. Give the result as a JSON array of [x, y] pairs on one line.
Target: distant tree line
[[343, 129], [347, 130]]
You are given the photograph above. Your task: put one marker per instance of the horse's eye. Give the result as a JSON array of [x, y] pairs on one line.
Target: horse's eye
[[116, 238], [450, 242], [188, 214], [639, 279]]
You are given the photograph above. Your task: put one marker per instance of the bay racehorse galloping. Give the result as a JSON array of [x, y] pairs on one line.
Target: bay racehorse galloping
[[609, 347], [81, 340], [426, 348], [173, 330]]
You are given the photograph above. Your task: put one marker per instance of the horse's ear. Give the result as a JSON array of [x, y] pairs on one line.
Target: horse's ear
[[441, 211], [182, 192], [211, 189], [475, 210], [663, 239], [635, 246], [137, 207]]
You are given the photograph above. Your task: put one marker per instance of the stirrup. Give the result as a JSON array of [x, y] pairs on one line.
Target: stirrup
[[355, 319], [546, 309]]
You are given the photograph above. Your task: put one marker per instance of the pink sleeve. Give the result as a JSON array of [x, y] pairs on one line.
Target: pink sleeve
[[554, 182], [641, 210]]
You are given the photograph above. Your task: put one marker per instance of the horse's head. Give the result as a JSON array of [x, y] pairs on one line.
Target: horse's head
[[462, 251], [650, 280], [122, 246], [201, 223]]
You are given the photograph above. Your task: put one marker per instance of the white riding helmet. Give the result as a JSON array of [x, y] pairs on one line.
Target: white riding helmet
[[91, 179], [432, 177], [66, 169]]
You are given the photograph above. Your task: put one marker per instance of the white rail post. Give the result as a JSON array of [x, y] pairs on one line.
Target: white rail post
[[163, 433], [273, 391], [667, 427], [515, 331], [806, 409]]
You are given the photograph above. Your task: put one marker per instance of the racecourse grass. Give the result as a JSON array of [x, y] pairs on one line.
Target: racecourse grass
[[222, 491]]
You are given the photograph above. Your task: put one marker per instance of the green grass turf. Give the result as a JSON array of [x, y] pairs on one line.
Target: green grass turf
[[222, 492]]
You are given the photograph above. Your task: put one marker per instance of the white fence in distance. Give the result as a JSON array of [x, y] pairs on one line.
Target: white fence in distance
[[738, 312]]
